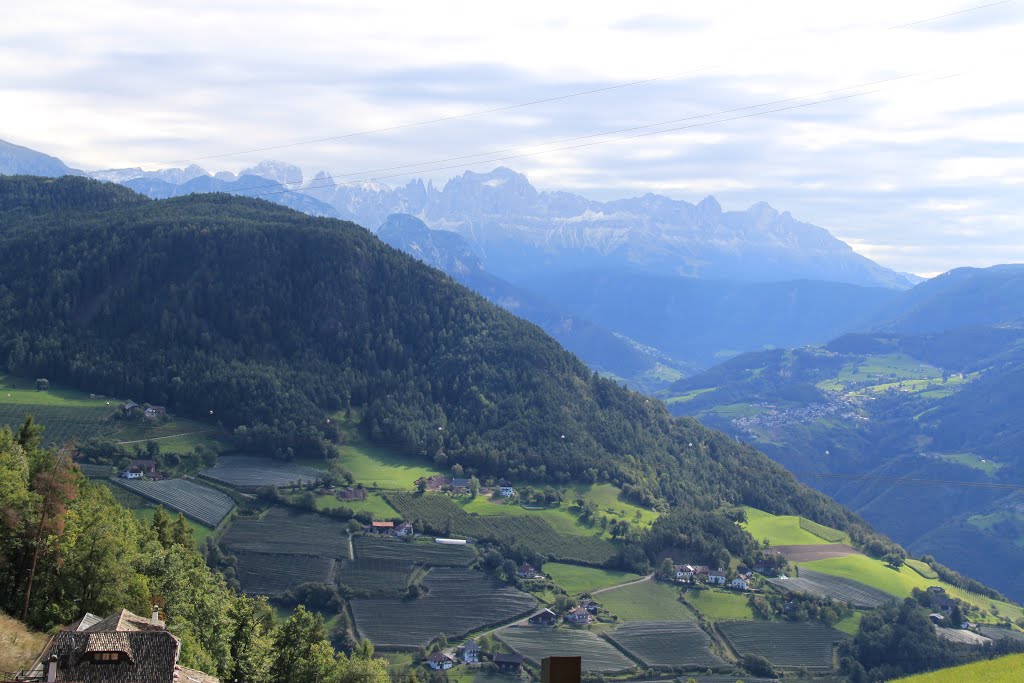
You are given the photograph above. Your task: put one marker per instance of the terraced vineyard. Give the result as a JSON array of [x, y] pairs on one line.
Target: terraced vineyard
[[835, 587], [283, 532], [536, 643], [824, 532], [266, 574], [457, 602], [443, 515], [375, 578], [96, 471], [667, 644], [197, 502], [63, 424], [413, 552], [784, 644], [250, 472]]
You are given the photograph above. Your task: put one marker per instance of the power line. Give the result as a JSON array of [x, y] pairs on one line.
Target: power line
[[442, 119], [588, 144], [913, 482], [509, 107], [951, 14], [572, 139]]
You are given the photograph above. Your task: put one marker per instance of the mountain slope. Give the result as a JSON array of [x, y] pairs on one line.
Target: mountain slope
[[16, 160], [269, 319], [600, 349]]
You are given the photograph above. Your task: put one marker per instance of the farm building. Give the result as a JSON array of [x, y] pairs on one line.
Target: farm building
[[544, 618], [716, 577], [349, 493], [590, 605], [739, 584], [434, 483], [130, 407], [578, 615], [404, 529], [132, 473], [450, 541], [507, 490], [148, 467], [122, 647], [508, 662], [528, 571], [469, 652], [460, 483], [381, 527], [155, 412], [440, 661]]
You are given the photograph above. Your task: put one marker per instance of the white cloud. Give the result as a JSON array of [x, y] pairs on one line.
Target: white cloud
[[119, 83]]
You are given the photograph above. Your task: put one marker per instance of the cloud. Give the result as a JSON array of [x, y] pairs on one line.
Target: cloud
[[924, 172]]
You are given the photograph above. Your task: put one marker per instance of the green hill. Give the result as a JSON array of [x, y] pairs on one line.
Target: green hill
[[269, 320], [1001, 670]]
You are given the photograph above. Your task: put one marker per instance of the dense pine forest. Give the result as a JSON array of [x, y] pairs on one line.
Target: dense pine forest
[[270, 321]]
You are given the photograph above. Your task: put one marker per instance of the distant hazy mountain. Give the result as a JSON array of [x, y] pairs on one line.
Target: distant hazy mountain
[[601, 349], [156, 188], [17, 160], [963, 297]]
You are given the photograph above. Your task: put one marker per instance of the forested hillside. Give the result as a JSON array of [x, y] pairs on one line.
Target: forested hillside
[[270, 320]]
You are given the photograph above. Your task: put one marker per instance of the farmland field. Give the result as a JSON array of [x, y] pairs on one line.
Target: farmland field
[[283, 532], [374, 504], [203, 504], [62, 423], [719, 605], [835, 587], [445, 516], [824, 532], [249, 472], [268, 574], [647, 601], [537, 643], [922, 568], [667, 644], [576, 579], [780, 530], [200, 532], [96, 471], [900, 583], [1001, 670], [384, 578], [961, 637], [457, 602], [816, 551], [413, 552], [784, 644], [379, 467]]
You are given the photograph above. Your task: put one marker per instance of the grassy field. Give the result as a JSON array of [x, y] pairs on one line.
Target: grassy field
[[560, 519], [850, 624], [383, 468], [780, 530], [647, 601], [576, 579], [1001, 670], [973, 461], [719, 605], [900, 583], [18, 645], [923, 569], [826, 533], [374, 504]]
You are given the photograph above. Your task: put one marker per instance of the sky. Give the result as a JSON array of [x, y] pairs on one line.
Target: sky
[[923, 170]]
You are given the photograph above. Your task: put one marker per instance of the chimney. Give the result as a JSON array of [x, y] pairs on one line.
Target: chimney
[[156, 616], [51, 669]]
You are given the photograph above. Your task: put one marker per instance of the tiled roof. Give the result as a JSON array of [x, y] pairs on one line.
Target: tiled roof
[[125, 621], [152, 656]]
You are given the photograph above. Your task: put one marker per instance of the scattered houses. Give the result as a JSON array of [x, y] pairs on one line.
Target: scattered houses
[[381, 527], [716, 577], [469, 652], [404, 529], [528, 571], [544, 618], [440, 661], [508, 662], [122, 647], [578, 615], [739, 584], [590, 605]]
